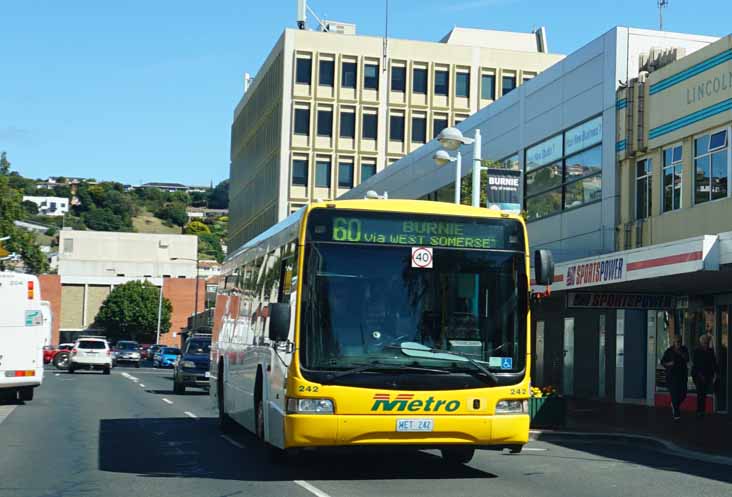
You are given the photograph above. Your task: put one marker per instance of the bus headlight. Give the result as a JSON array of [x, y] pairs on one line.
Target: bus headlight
[[309, 406], [512, 406]]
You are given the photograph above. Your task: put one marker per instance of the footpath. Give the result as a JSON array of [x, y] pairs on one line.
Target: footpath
[[708, 437]]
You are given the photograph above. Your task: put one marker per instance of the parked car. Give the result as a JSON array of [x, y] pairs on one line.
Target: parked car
[[165, 357], [126, 351], [144, 348], [50, 351], [91, 353], [192, 369], [151, 351]]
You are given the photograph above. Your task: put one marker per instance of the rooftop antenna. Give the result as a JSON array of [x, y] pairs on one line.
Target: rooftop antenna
[[302, 12], [386, 36], [662, 4]]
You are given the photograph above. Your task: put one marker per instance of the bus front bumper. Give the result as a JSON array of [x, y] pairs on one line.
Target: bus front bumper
[[308, 430]]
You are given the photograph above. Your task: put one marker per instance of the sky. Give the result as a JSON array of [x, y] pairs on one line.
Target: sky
[[144, 90]]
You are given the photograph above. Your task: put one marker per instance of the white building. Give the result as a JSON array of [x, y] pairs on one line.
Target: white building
[[49, 206]]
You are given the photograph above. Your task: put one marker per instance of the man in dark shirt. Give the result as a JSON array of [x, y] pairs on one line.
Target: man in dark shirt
[[674, 360], [703, 372]]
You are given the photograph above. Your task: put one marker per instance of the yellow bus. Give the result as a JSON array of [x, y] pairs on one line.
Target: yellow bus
[[379, 322]]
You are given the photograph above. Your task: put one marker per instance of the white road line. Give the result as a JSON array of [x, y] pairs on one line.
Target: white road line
[[313, 490], [5, 412], [141, 385], [167, 401], [536, 449], [232, 441], [58, 374], [190, 415]]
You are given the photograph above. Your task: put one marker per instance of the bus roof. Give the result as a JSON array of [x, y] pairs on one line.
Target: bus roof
[[289, 228]]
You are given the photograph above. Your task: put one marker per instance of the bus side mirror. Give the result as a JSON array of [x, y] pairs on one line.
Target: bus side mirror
[[279, 322], [543, 267]]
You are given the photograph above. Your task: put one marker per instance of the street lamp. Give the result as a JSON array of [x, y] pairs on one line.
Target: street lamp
[[452, 139], [195, 305]]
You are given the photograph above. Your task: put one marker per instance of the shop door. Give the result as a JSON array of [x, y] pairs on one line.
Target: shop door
[[634, 367], [721, 351], [568, 369]]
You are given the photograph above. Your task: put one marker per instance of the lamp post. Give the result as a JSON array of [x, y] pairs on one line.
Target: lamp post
[[451, 139], [195, 304]]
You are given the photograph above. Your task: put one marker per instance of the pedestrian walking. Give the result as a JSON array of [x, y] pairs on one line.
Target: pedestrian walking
[[704, 370], [675, 361]]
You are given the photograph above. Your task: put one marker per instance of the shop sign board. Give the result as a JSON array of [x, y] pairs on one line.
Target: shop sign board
[[595, 300]]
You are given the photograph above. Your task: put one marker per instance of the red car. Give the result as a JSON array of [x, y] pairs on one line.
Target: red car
[[50, 351]]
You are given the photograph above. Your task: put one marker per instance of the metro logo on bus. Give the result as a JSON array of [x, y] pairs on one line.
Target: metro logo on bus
[[405, 402]]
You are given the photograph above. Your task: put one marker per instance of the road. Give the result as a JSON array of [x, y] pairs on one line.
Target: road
[[127, 435]]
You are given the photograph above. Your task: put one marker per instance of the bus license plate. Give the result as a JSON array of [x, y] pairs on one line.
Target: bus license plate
[[415, 425]]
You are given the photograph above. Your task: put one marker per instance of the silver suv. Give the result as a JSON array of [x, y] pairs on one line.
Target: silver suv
[[91, 353]]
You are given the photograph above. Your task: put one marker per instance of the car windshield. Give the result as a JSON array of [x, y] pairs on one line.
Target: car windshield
[[170, 350], [198, 347], [469, 306], [127, 346], [91, 344]]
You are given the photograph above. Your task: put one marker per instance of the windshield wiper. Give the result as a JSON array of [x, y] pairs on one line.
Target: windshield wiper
[[376, 366], [485, 371]]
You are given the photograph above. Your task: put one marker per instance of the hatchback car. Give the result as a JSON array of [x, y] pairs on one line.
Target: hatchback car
[[127, 351], [165, 357], [91, 353]]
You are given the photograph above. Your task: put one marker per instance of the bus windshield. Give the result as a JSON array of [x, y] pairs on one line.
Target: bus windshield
[[370, 303]]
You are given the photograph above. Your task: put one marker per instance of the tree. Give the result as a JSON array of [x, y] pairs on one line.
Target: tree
[[31, 208], [219, 196], [130, 312], [209, 247], [173, 213], [196, 228], [103, 220], [4, 164]]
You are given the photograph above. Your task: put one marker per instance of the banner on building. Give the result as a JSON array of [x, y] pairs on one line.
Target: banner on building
[[591, 300], [504, 190]]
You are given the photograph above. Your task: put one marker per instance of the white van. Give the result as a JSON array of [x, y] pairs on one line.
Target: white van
[[23, 332]]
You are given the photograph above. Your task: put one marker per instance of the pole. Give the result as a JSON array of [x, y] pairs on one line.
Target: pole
[[160, 309], [458, 176], [195, 305], [476, 169]]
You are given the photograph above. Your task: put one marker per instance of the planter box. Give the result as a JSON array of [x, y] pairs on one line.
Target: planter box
[[547, 412]]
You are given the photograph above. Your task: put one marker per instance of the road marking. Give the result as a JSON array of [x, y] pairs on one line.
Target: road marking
[[5, 411], [58, 374], [141, 385], [536, 449], [190, 415], [232, 441], [313, 490], [167, 401]]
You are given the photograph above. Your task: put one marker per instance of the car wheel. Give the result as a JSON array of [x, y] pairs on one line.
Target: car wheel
[[107, 370], [61, 360], [137, 364], [515, 449], [179, 388], [26, 394], [71, 369], [457, 455]]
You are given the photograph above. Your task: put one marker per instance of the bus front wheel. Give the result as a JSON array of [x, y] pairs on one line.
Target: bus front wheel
[[457, 455]]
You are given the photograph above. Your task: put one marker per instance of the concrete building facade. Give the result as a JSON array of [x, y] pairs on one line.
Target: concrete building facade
[[328, 111]]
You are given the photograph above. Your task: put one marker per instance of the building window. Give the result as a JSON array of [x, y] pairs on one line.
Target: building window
[[564, 171], [325, 123], [398, 78], [488, 87], [437, 126], [442, 83], [348, 125], [303, 71], [396, 128], [462, 84], [327, 72], [302, 122], [322, 173], [367, 170], [643, 188], [348, 75], [300, 172], [526, 78], [68, 245], [419, 130], [369, 126], [672, 176], [419, 81], [710, 167], [509, 83], [345, 175], [371, 76]]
